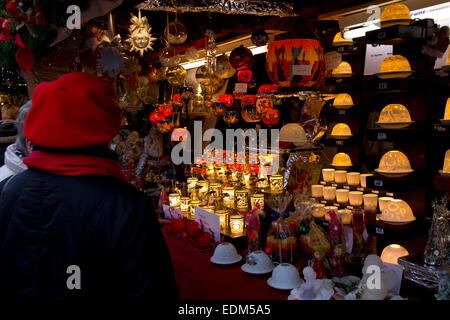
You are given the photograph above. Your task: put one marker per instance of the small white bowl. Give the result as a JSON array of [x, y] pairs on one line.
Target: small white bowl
[[258, 262], [225, 253], [285, 277]]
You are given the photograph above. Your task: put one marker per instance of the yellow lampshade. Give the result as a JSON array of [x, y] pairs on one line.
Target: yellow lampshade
[[395, 63], [394, 162], [343, 101], [338, 40], [446, 168], [341, 159], [393, 113], [447, 109], [342, 69], [341, 130], [447, 61], [396, 13], [392, 252], [397, 211]]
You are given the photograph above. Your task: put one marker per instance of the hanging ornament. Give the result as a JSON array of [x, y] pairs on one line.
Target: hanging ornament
[[165, 109], [224, 70], [191, 54], [140, 34], [161, 74], [241, 58], [168, 56], [112, 57], [177, 101], [176, 75], [260, 38], [245, 76], [176, 32]]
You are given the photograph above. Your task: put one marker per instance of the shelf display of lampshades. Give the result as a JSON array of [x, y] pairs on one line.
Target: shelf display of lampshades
[[395, 66], [394, 164], [392, 252], [394, 116], [341, 131], [236, 223]]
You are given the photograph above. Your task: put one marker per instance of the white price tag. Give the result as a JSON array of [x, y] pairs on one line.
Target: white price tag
[[379, 230], [389, 194], [342, 112], [334, 185], [360, 189], [323, 183], [382, 86], [378, 183], [301, 70], [375, 192], [340, 143], [240, 87], [346, 187], [332, 60], [382, 136], [441, 129]]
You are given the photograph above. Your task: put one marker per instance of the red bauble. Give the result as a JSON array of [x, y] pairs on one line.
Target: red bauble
[[165, 109], [263, 104], [227, 99], [271, 117], [268, 88], [177, 101], [245, 76], [241, 58], [249, 99]]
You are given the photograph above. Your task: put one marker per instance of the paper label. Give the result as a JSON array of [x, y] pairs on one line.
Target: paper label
[[378, 183], [379, 230], [240, 87], [389, 194], [382, 86], [360, 189], [340, 143], [301, 70], [375, 191], [171, 212], [332, 60], [382, 136], [208, 221]]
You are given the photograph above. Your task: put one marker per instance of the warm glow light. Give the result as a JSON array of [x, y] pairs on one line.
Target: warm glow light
[[318, 210], [382, 202], [394, 162], [340, 176], [342, 195], [257, 199], [394, 113], [194, 203], [343, 68], [397, 211], [241, 198], [204, 187], [395, 63], [191, 183], [184, 204], [446, 168], [396, 13], [341, 160], [355, 198], [174, 200], [228, 193], [345, 215], [341, 129], [338, 40], [328, 175], [223, 216], [329, 193], [392, 252], [353, 178], [447, 105], [317, 190], [276, 183], [237, 224], [342, 99], [370, 202], [363, 179]]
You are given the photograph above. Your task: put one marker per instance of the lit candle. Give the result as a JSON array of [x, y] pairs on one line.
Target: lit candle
[[353, 178], [246, 179], [228, 193], [184, 204], [329, 193], [340, 176], [194, 203], [174, 200], [223, 218], [356, 198], [342, 195], [241, 198], [317, 190], [346, 216], [237, 224], [257, 199], [328, 175], [276, 183]]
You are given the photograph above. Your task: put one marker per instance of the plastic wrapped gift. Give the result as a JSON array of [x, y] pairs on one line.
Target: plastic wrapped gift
[[394, 163], [397, 211], [341, 160], [396, 13], [342, 70], [343, 101], [338, 40], [281, 244], [392, 252], [341, 130]]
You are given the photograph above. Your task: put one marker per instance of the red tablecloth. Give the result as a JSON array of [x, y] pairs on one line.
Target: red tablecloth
[[200, 279]]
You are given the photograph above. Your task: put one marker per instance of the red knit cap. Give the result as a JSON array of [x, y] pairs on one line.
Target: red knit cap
[[77, 110]]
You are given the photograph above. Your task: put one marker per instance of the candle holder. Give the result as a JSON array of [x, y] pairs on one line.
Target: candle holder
[[353, 178], [328, 175], [185, 204], [193, 204], [191, 183], [237, 224], [228, 194], [318, 210], [329, 193], [241, 198], [174, 200], [317, 190], [342, 195], [356, 198], [370, 202], [223, 216], [276, 183], [340, 176], [257, 199]]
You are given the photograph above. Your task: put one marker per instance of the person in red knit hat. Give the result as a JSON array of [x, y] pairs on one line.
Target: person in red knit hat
[[70, 226]]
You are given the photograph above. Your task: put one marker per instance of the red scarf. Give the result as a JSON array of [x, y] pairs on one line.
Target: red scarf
[[74, 165]]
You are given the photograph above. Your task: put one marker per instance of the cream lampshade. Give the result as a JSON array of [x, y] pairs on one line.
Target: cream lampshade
[[394, 163], [174, 200], [317, 190], [342, 195], [382, 202], [394, 116], [318, 210], [344, 69], [328, 175], [237, 224], [343, 101], [355, 198], [338, 40], [341, 131], [340, 176], [345, 215], [370, 202], [341, 160], [353, 178], [395, 66], [392, 252], [329, 193], [228, 193]]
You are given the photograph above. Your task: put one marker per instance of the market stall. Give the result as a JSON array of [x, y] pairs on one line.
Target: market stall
[[289, 153]]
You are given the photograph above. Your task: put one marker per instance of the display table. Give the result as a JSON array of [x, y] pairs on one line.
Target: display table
[[200, 279]]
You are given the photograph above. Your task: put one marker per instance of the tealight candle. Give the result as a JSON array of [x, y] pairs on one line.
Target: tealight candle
[[317, 190], [342, 195], [276, 183], [346, 216], [329, 193], [184, 204], [318, 210], [223, 215], [210, 171], [370, 201], [191, 183], [215, 187], [353, 178], [204, 187], [174, 200], [257, 199], [194, 203], [328, 209], [237, 224], [246, 179], [356, 198], [241, 198], [328, 175], [228, 193], [363, 179], [340, 176], [383, 201]]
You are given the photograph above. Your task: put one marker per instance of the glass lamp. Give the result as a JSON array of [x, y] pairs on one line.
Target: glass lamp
[[241, 198], [257, 199], [174, 200], [276, 183], [392, 252], [223, 216], [237, 224]]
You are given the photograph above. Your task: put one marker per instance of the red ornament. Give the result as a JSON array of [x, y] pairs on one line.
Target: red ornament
[[227, 99], [241, 58], [267, 88], [264, 104], [156, 116], [245, 76], [38, 18], [249, 99], [165, 109], [25, 59], [271, 117], [177, 101]]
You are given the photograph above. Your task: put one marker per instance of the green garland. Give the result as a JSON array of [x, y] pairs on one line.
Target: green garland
[[43, 35]]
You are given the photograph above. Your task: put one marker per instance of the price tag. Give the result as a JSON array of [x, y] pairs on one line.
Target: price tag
[[342, 112], [360, 189], [441, 129], [350, 207], [332, 60], [334, 185], [346, 187], [389, 194], [240, 87], [326, 223], [323, 183], [382, 136], [381, 35], [336, 205], [301, 70], [382, 86], [378, 183], [379, 230], [340, 143], [340, 49], [323, 202], [375, 192]]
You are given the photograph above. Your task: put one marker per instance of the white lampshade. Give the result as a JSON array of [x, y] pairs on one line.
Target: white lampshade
[[342, 195], [317, 190], [355, 198], [370, 201], [353, 178], [392, 252], [340, 176], [329, 193], [382, 202], [328, 175]]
